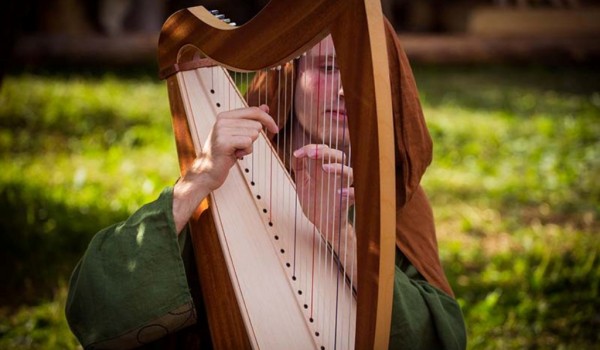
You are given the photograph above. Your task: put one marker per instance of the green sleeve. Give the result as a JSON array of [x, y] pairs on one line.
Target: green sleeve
[[130, 286], [423, 317]]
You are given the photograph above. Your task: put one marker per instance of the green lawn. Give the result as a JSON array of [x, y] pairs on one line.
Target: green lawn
[[514, 185]]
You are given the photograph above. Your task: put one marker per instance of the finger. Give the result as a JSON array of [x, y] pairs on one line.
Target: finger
[[322, 152], [337, 169], [307, 166], [223, 123], [348, 194], [235, 131], [264, 108], [243, 152], [230, 144], [299, 164], [332, 155], [253, 113], [310, 150], [300, 161]]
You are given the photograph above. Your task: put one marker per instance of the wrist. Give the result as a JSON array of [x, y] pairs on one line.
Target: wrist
[[188, 192], [200, 174]]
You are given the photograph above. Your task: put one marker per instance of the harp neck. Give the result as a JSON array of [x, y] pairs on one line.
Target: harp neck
[[277, 34]]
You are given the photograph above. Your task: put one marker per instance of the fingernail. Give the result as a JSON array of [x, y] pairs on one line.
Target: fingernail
[[299, 153], [344, 192]]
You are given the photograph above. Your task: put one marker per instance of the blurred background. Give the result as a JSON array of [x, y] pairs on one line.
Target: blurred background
[[510, 89]]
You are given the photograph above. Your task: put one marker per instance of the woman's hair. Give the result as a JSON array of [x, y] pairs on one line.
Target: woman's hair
[[275, 88]]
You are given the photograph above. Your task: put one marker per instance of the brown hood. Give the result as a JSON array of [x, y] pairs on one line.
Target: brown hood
[[415, 229]]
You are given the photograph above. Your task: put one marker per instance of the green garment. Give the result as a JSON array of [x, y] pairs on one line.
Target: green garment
[[423, 317], [130, 288]]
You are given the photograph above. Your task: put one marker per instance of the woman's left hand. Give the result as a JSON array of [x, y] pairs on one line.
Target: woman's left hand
[[324, 186]]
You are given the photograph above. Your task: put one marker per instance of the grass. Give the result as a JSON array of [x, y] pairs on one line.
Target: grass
[[515, 190], [514, 186]]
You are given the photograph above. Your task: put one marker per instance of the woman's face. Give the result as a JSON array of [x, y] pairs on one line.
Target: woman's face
[[319, 97]]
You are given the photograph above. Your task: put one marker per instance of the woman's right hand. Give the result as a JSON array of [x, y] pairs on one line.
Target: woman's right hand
[[231, 138]]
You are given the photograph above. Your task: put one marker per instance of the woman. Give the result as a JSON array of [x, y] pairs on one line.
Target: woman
[[425, 315], [133, 284]]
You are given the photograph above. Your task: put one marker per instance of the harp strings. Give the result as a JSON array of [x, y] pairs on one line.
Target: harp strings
[[313, 200], [336, 235], [332, 252]]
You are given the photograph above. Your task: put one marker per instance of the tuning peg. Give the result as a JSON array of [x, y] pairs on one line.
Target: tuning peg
[[221, 16]]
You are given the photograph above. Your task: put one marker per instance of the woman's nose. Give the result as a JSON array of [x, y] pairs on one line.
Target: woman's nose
[[341, 91]]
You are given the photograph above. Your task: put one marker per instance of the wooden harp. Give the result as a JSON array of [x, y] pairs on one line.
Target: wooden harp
[[279, 33]]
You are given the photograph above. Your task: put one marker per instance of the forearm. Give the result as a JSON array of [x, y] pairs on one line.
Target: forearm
[[188, 192]]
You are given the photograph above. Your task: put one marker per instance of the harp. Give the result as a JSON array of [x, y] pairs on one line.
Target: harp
[[242, 311]]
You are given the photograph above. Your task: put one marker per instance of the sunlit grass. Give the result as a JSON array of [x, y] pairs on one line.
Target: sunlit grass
[[79, 133], [514, 187]]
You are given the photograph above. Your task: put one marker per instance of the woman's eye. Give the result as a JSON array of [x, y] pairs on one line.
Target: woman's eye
[[330, 68]]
